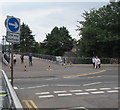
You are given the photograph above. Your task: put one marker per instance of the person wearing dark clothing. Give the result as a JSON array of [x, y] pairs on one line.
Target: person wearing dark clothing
[[30, 59], [22, 58], [14, 59], [93, 61]]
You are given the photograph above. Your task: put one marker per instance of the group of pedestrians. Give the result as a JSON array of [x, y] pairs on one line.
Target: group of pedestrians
[[22, 59], [96, 62]]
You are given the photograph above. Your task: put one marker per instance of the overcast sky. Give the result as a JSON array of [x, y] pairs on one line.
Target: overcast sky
[[42, 17]]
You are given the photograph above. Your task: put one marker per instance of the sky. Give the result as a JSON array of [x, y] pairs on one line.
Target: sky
[[42, 17]]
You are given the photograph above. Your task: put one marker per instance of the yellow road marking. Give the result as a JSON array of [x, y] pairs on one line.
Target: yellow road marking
[[30, 104], [34, 105], [85, 74], [27, 103]]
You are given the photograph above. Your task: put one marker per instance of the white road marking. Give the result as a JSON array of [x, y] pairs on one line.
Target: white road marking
[[42, 93], [92, 84], [66, 85], [34, 87], [112, 91], [84, 93], [59, 91], [91, 89], [76, 90], [46, 96], [97, 92], [65, 94], [95, 77], [15, 87], [51, 78], [116, 87], [104, 88], [99, 76], [48, 69]]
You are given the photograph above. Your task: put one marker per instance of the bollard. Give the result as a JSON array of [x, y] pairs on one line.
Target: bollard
[[25, 68], [70, 64], [49, 68]]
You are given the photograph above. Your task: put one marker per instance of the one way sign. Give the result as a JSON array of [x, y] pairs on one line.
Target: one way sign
[[13, 29]]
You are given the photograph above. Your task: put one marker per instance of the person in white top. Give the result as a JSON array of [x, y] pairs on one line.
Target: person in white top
[[97, 62]]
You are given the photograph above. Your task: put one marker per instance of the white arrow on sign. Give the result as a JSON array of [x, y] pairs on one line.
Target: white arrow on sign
[[15, 25]]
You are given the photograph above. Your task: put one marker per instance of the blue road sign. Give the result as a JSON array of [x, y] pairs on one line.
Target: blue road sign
[[13, 24], [13, 29]]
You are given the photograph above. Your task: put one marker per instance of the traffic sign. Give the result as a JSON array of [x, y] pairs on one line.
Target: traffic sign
[[13, 24], [13, 29], [13, 38]]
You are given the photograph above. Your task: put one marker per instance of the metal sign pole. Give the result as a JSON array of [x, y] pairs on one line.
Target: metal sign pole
[[9, 50], [11, 64], [12, 36]]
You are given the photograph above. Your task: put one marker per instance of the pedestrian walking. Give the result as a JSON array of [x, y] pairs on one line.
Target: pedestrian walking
[[93, 61], [97, 62], [22, 58], [30, 59], [14, 59]]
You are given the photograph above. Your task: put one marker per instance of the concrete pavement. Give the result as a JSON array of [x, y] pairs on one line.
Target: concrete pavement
[[43, 68]]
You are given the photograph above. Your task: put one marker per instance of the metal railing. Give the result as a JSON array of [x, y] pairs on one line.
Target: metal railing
[[5, 59], [77, 60], [12, 100]]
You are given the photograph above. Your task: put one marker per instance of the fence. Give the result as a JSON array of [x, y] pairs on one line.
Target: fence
[[77, 60]]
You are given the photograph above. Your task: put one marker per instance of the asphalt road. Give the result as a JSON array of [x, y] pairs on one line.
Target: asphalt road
[[64, 86], [97, 90]]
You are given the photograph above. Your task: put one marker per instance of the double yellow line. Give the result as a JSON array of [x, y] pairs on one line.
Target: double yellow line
[[30, 104], [85, 74]]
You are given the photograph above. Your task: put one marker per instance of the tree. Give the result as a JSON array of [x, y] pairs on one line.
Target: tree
[[100, 31], [27, 41], [57, 42]]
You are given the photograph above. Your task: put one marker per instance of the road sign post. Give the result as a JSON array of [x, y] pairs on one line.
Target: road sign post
[[11, 64], [13, 29], [12, 36]]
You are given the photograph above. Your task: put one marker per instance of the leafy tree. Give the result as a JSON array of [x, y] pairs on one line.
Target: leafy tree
[[27, 41], [57, 42], [101, 31]]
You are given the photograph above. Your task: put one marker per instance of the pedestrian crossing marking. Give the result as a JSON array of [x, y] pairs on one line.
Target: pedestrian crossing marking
[[46, 96], [77, 92]]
